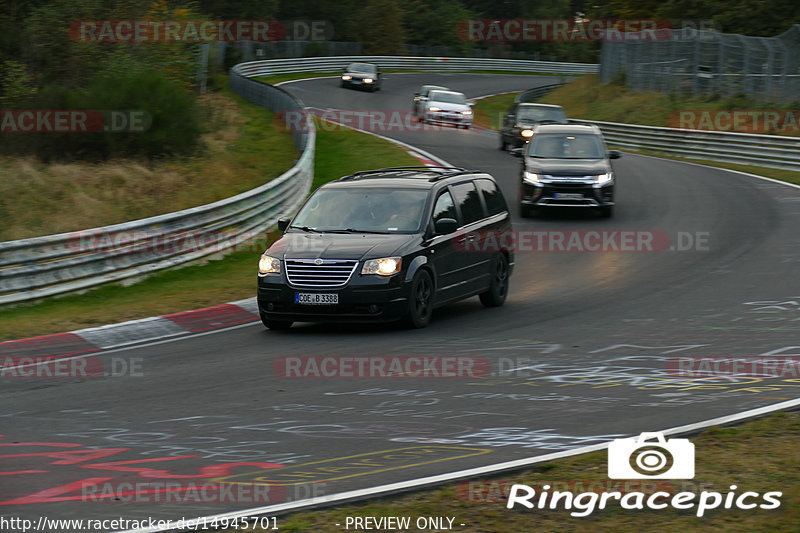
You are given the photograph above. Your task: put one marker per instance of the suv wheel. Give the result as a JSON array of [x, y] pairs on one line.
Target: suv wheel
[[279, 325], [503, 144], [607, 212], [498, 290], [420, 303]]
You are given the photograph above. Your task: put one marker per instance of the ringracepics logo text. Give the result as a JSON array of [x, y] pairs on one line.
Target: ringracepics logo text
[[648, 456]]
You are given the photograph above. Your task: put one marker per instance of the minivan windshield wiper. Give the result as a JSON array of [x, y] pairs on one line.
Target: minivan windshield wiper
[[351, 230], [306, 228]]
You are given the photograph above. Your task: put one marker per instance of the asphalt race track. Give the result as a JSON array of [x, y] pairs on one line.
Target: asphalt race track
[[583, 351]]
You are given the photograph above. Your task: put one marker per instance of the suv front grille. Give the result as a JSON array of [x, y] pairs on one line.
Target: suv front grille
[[328, 274]]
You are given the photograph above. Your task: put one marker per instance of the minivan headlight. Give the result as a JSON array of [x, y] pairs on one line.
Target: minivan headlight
[[269, 265], [526, 133], [385, 266], [347, 77]]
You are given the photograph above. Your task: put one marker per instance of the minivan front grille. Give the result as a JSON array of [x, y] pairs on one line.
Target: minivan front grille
[[319, 273]]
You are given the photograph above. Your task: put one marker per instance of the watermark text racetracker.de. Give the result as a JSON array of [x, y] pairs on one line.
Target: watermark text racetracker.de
[[157, 242], [389, 366], [783, 121], [547, 241], [778, 367], [198, 31], [14, 524], [373, 120], [90, 366], [74, 121]]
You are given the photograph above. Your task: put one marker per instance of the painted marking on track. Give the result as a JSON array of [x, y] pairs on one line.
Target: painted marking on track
[[355, 465]]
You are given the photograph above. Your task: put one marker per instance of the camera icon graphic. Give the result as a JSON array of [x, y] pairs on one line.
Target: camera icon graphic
[[650, 456]]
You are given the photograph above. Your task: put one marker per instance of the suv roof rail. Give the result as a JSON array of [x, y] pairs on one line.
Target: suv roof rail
[[448, 171]]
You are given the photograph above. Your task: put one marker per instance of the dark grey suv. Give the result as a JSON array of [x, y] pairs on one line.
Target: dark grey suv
[[388, 244], [567, 166]]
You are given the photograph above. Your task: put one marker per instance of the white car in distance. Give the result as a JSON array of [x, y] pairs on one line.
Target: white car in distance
[[448, 107]]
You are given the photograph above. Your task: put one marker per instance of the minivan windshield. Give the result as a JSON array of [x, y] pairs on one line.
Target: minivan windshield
[[362, 210], [566, 146]]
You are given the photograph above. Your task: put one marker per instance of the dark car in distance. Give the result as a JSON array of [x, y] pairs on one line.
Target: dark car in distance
[[362, 75], [518, 122], [567, 166], [386, 245]]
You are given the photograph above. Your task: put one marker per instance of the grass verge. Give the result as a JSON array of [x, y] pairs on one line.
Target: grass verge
[[759, 456], [233, 277], [242, 149]]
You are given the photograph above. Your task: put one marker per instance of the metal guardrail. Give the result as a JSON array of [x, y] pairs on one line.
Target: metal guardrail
[[771, 151], [329, 64], [531, 95], [56, 264]]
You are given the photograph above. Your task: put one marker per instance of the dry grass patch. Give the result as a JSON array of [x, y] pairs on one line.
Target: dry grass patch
[[40, 199]]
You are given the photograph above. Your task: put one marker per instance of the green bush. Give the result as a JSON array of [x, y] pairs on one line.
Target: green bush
[[171, 124]]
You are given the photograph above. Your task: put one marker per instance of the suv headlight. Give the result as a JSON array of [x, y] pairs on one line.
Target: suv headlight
[[531, 177], [602, 179], [347, 77], [385, 266], [467, 112], [269, 265], [433, 108], [526, 133]]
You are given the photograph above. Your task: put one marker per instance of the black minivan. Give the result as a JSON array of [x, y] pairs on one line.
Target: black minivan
[[389, 244]]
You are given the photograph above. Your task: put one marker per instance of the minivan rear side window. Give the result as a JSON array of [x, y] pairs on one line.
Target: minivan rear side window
[[495, 202], [468, 201]]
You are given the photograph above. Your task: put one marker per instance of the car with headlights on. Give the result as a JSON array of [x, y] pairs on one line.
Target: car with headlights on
[[421, 96], [386, 245], [567, 165], [362, 75], [448, 107], [518, 122]]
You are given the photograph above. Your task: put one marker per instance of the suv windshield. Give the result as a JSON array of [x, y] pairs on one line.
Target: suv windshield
[[566, 146], [541, 113], [361, 67], [363, 209], [450, 98]]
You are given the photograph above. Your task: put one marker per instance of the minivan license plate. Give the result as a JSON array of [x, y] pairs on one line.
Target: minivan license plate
[[325, 298]]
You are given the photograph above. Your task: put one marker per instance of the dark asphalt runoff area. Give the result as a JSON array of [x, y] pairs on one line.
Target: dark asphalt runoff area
[[696, 263]]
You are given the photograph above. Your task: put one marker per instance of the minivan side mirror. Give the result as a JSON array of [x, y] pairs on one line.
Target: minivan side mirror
[[614, 154], [445, 226], [283, 224]]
